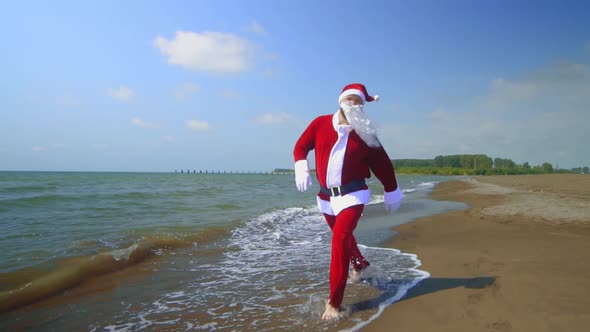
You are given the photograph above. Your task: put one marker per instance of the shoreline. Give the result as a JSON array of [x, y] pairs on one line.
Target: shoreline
[[511, 261]]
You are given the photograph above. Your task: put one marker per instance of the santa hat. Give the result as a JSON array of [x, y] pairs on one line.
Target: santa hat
[[358, 90]]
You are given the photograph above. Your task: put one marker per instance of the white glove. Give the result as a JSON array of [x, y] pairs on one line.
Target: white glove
[[393, 200], [302, 177]]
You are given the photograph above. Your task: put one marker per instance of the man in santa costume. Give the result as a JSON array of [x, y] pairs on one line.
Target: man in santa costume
[[346, 151]]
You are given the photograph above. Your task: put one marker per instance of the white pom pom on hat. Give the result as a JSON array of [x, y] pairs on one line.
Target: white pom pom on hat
[[358, 90]]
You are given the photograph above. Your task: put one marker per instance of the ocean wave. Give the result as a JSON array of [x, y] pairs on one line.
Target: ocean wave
[[429, 184], [21, 189], [136, 195], [376, 199], [29, 285], [386, 284], [275, 272], [226, 206], [39, 200]]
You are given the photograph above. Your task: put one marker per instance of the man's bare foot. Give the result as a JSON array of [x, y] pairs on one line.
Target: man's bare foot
[[356, 276], [331, 313]]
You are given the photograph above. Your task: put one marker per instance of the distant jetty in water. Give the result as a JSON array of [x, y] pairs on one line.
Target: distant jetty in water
[[276, 171]]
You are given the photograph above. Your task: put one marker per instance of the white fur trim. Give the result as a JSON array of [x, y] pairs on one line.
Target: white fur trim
[[351, 92], [336, 159], [393, 196], [338, 203], [325, 206], [302, 166], [376, 97]]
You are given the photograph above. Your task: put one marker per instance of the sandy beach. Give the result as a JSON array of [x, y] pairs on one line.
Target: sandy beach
[[516, 260]]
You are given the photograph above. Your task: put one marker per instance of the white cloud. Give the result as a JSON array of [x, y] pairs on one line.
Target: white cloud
[[208, 51], [42, 148], [273, 118], [186, 91], [511, 90], [140, 123], [541, 116], [197, 125], [256, 28], [39, 149], [137, 122], [122, 93]]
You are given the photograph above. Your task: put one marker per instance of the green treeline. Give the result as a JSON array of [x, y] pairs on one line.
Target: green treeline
[[468, 164], [474, 164]]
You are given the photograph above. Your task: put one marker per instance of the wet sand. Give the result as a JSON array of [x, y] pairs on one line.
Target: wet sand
[[518, 259]]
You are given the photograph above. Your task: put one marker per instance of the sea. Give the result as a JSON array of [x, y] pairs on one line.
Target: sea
[[108, 251]]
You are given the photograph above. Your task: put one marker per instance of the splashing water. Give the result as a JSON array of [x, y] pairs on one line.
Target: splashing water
[[274, 276]]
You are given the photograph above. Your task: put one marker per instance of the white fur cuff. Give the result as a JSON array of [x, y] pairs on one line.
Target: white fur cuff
[[301, 166], [393, 196]]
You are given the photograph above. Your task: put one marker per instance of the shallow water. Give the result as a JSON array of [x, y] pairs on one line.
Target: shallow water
[[191, 251]]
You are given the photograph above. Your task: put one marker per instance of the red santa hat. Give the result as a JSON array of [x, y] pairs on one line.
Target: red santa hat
[[358, 90]]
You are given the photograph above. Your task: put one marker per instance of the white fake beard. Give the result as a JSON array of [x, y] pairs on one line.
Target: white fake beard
[[360, 122]]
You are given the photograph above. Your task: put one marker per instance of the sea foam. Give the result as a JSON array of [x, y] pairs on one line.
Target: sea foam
[[273, 276]]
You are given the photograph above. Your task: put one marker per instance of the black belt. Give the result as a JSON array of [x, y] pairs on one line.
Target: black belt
[[345, 189]]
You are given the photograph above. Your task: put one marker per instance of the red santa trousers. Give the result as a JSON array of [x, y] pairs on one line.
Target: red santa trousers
[[344, 250]]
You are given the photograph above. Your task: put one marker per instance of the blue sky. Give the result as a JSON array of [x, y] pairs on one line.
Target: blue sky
[[230, 85]]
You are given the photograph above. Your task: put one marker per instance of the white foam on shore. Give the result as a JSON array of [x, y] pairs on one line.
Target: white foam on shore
[[377, 199], [427, 184], [400, 294], [274, 263]]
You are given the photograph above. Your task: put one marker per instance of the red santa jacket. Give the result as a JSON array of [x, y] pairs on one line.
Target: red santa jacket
[[342, 153]]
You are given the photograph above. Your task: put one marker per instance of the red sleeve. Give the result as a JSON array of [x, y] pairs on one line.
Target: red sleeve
[[382, 167], [306, 142]]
